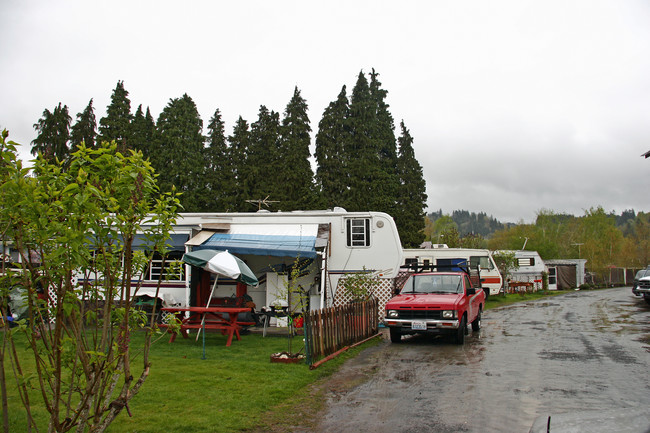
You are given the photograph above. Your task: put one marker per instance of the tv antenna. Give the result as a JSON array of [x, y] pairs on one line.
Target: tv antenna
[[263, 201]]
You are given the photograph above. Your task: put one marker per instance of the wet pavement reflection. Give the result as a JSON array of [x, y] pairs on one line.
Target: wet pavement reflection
[[587, 350]]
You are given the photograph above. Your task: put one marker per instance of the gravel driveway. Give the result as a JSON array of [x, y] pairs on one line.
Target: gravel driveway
[[579, 351]]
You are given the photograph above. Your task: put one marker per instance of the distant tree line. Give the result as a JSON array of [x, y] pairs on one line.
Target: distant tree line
[[360, 164], [604, 239], [466, 223]]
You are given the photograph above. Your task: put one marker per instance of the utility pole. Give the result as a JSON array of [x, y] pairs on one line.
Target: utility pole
[[578, 244]]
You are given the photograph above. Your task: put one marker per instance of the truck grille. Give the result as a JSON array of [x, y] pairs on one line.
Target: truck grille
[[644, 284], [420, 314]]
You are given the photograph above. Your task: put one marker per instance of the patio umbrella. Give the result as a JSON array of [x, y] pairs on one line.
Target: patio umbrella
[[222, 263]]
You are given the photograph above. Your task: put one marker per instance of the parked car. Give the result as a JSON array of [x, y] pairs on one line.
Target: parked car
[[436, 302], [643, 289], [640, 288]]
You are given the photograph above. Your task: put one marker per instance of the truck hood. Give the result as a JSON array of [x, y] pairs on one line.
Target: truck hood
[[424, 301]]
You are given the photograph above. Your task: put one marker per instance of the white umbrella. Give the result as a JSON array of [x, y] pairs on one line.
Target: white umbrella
[[220, 263]]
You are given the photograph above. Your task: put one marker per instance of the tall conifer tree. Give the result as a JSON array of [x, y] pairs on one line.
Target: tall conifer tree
[[143, 132], [85, 129], [53, 134], [411, 201], [219, 175], [263, 158], [296, 174], [371, 149], [116, 125], [179, 155], [331, 157], [387, 180], [239, 144], [363, 159]]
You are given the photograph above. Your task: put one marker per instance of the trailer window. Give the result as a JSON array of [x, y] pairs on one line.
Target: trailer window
[[358, 232], [410, 262], [527, 261], [483, 261]]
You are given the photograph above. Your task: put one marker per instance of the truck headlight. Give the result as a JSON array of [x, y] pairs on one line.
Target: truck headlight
[[392, 314], [449, 314]]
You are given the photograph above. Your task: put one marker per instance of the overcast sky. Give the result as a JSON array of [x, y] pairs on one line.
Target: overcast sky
[[514, 106]]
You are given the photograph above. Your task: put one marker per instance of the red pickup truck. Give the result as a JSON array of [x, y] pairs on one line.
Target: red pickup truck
[[436, 302]]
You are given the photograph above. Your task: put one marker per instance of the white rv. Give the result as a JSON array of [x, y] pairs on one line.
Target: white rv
[[441, 255], [329, 244], [530, 267]]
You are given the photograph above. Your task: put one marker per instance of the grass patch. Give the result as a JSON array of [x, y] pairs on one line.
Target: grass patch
[[235, 388], [512, 298]]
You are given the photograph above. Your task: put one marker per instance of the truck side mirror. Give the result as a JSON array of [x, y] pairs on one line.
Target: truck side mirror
[[471, 291]]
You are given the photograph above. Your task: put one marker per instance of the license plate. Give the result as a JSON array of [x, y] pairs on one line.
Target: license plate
[[419, 326]]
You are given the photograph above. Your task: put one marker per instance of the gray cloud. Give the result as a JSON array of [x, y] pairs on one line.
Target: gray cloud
[[515, 106]]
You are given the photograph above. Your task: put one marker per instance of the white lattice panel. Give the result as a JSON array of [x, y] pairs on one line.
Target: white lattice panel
[[383, 291], [51, 304]]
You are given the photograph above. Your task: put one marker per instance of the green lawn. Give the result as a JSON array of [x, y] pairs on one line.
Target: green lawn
[[511, 298], [235, 388]]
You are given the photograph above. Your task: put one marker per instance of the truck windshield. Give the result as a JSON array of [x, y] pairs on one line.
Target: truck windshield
[[433, 284]]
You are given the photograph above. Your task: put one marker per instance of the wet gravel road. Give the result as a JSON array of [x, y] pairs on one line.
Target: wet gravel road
[[584, 350]]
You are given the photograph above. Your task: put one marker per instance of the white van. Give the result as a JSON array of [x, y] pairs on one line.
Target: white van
[[490, 275]]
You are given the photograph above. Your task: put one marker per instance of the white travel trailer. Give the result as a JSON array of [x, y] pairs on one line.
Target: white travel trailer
[[442, 255], [530, 267], [328, 244]]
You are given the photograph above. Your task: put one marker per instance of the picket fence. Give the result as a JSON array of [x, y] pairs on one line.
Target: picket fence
[[332, 329]]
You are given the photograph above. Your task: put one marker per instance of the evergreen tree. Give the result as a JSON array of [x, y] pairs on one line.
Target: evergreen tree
[[85, 129], [143, 132], [53, 134], [116, 125], [263, 159], [219, 175], [411, 199], [295, 169], [363, 160], [239, 144], [331, 158], [372, 149], [179, 154], [384, 136]]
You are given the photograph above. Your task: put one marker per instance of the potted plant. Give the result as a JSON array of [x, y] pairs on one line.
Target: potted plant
[[293, 301]]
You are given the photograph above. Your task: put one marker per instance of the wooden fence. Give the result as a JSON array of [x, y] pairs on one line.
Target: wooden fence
[[332, 329]]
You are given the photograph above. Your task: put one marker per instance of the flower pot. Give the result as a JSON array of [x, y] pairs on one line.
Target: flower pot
[[287, 358]]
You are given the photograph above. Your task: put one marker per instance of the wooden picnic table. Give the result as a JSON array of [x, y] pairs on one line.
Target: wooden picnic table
[[520, 286], [214, 317]]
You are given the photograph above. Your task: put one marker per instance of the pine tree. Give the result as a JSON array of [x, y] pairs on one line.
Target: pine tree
[[384, 136], [263, 161], [53, 134], [143, 132], [179, 155], [219, 177], [411, 200], [371, 149], [239, 144], [85, 129], [296, 173], [331, 158], [116, 125], [362, 159]]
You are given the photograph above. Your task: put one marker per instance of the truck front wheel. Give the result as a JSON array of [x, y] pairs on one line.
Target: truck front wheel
[[395, 335], [462, 330], [476, 324]]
